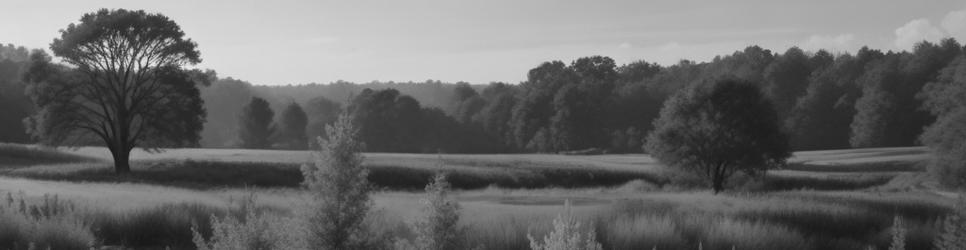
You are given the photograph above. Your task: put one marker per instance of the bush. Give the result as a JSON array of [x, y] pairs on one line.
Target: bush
[[249, 229], [338, 183]]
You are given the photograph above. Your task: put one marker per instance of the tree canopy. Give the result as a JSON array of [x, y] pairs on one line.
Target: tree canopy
[[717, 129], [126, 89], [256, 126], [292, 126]]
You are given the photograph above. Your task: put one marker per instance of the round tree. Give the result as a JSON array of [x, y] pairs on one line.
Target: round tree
[[717, 129], [255, 124], [292, 127], [126, 89]]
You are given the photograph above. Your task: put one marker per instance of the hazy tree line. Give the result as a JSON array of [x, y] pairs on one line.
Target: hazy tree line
[[871, 98], [14, 105], [825, 101]]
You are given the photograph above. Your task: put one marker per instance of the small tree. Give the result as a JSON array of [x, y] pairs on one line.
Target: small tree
[[338, 182], [256, 124], [436, 228], [717, 129], [293, 123], [566, 235], [249, 229]]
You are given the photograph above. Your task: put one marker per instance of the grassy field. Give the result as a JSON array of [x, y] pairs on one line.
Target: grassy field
[[841, 199]]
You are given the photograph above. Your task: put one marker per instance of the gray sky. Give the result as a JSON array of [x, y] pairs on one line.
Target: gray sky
[[295, 42]]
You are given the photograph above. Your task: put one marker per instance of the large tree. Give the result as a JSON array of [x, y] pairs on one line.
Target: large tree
[[717, 129], [127, 87]]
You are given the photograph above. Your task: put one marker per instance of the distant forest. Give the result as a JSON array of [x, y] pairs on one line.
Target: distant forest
[[871, 98]]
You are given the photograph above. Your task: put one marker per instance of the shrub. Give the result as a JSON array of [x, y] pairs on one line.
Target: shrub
[[566, 235], [251, 230]]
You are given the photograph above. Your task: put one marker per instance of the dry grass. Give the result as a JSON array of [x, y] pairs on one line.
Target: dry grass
[[843, 199], [501, 218]]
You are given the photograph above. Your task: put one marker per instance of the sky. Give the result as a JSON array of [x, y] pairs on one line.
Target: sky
[[296, 42]]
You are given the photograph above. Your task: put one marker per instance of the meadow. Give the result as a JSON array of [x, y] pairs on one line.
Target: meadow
[[837, 199]]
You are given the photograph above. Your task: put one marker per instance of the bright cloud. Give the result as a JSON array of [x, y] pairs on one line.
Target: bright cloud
[[916, 31]]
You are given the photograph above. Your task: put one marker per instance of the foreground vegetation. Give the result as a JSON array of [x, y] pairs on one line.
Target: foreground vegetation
[[825, 200], [621, 218]]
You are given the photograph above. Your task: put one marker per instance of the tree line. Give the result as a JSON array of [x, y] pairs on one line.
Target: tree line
[[825, 101], [121, 83], [872, 98]]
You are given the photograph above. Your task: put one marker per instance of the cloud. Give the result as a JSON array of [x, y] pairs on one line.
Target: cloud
[[839, 43], [916, 31], [625, 45], [955, 25]]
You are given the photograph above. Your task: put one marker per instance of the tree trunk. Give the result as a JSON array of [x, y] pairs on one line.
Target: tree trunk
[[121, 163], [717, 184]]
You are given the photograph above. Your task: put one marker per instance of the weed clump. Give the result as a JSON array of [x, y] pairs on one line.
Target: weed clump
[[50, 223], [567, 234]]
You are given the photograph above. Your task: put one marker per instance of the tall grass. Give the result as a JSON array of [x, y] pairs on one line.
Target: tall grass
[[167, 225], [249, 229], [640, 231], [567, 234], [49, 223]]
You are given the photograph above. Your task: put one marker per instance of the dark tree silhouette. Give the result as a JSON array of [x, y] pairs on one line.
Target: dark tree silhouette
[[321, 112], [946, 98], [786, 79], [821, 119], [533, 107], [717, 129], [15, 105], [877, 106], [466, 102], [292, 127], [127, 87], [255, 128]]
